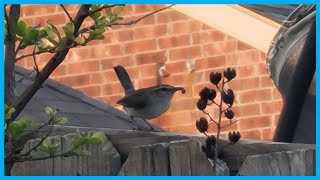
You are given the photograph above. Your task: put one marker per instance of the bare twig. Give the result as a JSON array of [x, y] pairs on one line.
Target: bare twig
[[92, 27], [67, 13], [208, 114], [35, 67], [229, 124], [66, 154], [19, 47], [104, 7], [40, 142]]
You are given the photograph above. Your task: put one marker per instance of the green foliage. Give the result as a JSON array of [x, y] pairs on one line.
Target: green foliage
[[48, 147], [16, 129]]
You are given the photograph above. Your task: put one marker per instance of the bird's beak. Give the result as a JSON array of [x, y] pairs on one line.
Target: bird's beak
[[180, 89]]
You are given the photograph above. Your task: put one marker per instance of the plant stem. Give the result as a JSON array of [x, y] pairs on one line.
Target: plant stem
[[218, 124]]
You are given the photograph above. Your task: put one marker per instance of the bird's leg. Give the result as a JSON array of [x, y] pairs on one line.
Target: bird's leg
[[132, 120], [151, 128]]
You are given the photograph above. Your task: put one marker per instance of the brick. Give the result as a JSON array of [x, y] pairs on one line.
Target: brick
[[246, 110], [207, 36], [143, 8], [219, 48], [140, 46], [183, 104], [61, 70], [74, 81], [175, 119], [276, 94], [97, 78], [251, 70], [244, 84], [276, 118], [168, 16], [185, 27], [174, 41], [243, 46], [271, 107], [184, 79], [150, 20], [76, 54], [206, 27], [267, 134], [176, 67], [55, 19], [262, 56], [109, 76], [125, 61], [119, 36], [251, 134], [256, 95], [266, 81], [146, 82], [152, 57], [150, 31], [70, 8], [21, 63], [38, 10], [92, 91], [185, 129], [148, 70], [103, 51], [185, 53], [209, 62], [83, 67], [255, 122], [243, 58], [112, 89]]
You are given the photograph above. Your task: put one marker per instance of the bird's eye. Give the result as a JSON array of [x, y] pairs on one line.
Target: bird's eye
[[163, 89]]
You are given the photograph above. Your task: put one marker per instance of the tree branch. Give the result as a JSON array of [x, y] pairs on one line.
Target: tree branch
[[92, 27], [39, 143], [53, 63], [65, 10], [10, 53], [105, 6]]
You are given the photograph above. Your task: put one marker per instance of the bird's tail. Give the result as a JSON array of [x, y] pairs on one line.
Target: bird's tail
[[124, 79]]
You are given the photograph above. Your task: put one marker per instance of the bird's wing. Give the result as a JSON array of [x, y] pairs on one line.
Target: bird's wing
[[136, 100]]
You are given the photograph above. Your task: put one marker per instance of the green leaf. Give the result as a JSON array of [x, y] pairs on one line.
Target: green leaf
[[46, 143], [54, 29], [21, 28], [49, 111], [117, 10], [98, 138], [80, 141], [42, 34], [108, 11], [8, 112], [95, 15], [30, 37], [61, 121], [99, 37], [68, 30]]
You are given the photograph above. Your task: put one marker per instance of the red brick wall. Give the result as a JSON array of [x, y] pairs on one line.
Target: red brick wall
[[171, 38]]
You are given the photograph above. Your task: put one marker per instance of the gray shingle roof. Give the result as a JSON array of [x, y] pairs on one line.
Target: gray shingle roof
[[275, 12], [81, 110]]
